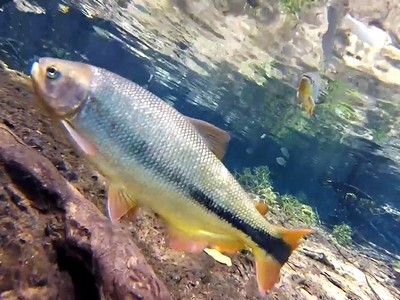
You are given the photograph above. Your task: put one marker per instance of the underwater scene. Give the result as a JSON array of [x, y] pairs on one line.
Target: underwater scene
[[199, 149]]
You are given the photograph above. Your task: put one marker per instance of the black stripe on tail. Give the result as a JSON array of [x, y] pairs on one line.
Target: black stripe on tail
[[276, 247]]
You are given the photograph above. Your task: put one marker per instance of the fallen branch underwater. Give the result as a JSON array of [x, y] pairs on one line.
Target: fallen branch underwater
[[120, 270]]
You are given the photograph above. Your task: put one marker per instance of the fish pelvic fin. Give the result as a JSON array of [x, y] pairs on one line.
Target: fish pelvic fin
[[215, 138], [120, 203]]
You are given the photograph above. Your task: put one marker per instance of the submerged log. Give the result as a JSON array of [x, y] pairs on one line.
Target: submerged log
[[74, 227]]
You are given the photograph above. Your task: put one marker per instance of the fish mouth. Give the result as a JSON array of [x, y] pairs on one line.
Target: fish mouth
[[307, 77], [35, 75], [35, 69]]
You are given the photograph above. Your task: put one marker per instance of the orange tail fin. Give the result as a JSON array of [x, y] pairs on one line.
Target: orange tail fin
[[267, 267]]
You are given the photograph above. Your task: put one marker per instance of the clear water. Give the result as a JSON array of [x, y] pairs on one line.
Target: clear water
[[236, 65]]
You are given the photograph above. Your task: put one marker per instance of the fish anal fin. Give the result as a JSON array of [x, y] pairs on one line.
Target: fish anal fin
[[119, 203], [268, 271], [262, 208], [292, 236], [216, 138], [82, 143], [218, 256], [180, 241]]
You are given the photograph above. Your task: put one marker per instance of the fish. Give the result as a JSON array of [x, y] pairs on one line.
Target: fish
[[308, 91], [281, 161], [285, 152], [154, 157]]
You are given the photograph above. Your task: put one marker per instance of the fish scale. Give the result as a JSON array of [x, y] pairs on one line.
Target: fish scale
[[154, 147]]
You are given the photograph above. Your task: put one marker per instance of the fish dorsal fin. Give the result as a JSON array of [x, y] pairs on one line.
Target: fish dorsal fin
[[216, 138], [119, 203]]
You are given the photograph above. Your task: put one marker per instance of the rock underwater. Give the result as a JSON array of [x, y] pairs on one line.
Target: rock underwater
[[56, 242]]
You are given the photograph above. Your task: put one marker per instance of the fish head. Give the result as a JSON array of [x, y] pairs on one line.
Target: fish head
[[61, 86], [305, 87]]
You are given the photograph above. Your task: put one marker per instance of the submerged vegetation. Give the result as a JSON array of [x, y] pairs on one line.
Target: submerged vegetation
[[296, 6], [342, 234], [296, 210], [258, 182]]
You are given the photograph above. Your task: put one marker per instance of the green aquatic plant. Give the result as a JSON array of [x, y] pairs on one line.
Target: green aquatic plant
[[258, 182], [342, 234], [396, 265], [296, 210], [295, 6], [346, 111]]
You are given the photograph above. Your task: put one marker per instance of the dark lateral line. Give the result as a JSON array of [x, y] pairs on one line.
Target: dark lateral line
[[272, 245]]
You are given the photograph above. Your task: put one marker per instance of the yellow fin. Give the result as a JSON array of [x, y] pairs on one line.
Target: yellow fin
[[267, 269], [292, 236], [82, 143], [216, 138], [218, 256], [262, 208], [119, 203]]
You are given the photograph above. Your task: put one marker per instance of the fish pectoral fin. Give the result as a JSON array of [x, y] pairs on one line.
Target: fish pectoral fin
[[216, 138], [292, 236], [262, 208], [267, 270], [81, 142], [120, 203], [182, 241]]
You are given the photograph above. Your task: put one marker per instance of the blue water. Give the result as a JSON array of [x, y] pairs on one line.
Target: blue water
[[247, 114]]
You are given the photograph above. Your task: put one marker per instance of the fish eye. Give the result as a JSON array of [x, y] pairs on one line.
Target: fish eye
[[52, 72]]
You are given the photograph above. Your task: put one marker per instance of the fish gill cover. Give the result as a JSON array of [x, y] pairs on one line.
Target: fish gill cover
[[237, 65]]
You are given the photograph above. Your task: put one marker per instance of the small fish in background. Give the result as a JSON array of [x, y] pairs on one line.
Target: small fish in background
[[63, 8], [153, 156], [285, 152], [281, 161], [308, 91]]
